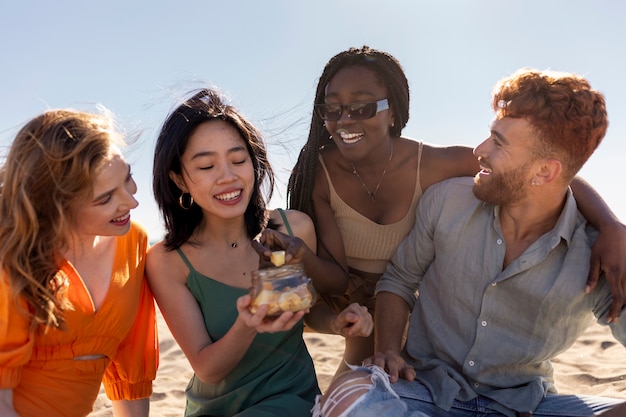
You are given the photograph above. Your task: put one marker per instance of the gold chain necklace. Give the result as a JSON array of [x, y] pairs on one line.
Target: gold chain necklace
[[370, 193]]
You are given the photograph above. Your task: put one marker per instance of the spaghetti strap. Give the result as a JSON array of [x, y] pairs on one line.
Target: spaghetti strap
[[185, 260], [285, 221], [419, 155]]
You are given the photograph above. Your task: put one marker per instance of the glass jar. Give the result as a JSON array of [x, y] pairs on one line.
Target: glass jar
[[283, 288]]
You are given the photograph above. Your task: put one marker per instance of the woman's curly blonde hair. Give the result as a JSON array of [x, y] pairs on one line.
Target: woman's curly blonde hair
[[48, 173]]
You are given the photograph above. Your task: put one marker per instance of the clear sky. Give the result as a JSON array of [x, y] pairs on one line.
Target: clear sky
[[136, 57]]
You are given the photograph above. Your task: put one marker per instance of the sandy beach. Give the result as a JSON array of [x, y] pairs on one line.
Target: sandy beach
[[595, 365]]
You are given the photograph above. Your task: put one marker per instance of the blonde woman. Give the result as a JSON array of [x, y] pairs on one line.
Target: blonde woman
[[75, 309]]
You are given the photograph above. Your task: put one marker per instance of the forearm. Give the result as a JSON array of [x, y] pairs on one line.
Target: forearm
[[328, 277], [230, 349], [321, 319], [131, 408], [390, 320], [591, 204]]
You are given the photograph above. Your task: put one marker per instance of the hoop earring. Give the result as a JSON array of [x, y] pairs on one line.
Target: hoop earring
[[181, 201]]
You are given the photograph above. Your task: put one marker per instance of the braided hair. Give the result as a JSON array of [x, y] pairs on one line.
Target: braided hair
[[390, 73]]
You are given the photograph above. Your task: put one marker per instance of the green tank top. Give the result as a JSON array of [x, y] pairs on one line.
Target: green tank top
[[276, 376]]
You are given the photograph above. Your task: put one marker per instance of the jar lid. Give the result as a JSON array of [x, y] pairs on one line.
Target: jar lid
[[279, 272]]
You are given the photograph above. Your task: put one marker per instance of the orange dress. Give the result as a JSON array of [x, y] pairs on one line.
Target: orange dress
[[39, 365]]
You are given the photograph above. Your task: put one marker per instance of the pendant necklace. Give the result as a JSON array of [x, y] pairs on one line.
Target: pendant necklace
[[370, 193], [233, 243]]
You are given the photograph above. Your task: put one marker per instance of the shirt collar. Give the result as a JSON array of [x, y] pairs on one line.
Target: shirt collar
[[565, 225]]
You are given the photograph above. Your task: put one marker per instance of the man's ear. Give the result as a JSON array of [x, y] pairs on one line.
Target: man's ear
[[549, 171]]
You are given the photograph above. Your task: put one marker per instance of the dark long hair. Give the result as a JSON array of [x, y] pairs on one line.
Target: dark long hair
[[204, 106], [390, 73]]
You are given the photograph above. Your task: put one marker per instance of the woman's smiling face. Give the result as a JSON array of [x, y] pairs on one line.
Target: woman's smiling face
[[356, 138], [107, 212], [217, 169]]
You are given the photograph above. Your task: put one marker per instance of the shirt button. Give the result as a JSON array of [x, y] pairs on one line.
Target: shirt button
[[476, 385], [484, 323], [471, 363], [499, 241], [493, 284]]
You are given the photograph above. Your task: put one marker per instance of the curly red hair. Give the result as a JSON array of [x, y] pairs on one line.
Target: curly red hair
[[569, 116]]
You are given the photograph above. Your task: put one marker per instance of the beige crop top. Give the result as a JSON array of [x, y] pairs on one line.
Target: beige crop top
[[370, 245]]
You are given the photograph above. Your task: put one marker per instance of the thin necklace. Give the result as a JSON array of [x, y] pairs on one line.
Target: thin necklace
[[233, 243], [370, 193]]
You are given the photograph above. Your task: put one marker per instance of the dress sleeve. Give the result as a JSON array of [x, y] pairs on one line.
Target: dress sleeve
[[16, 337], [130, 374]]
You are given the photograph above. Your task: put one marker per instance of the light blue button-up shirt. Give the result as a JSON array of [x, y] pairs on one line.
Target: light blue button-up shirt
[[476, 329]]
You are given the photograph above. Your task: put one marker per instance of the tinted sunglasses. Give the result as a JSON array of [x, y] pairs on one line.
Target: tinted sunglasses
[[356, 111]]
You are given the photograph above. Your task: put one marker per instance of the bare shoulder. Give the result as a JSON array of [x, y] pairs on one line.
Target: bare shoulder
[[407, 150], [157, 251], [298, 217], [298, 221], [408, 143], [301, 226], [162, 263]]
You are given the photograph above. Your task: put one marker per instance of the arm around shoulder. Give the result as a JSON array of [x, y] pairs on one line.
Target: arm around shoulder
[[441, 163], [607, 253]]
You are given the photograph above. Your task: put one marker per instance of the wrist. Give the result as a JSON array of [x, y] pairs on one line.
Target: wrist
[[334, 326], [387, 348], [241, 326]]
